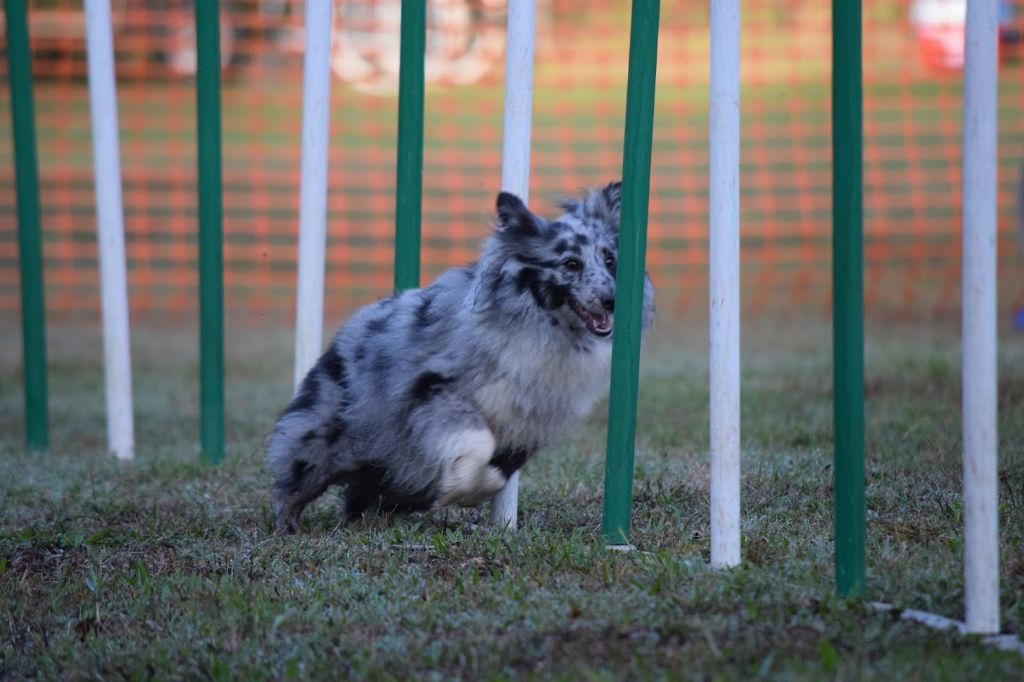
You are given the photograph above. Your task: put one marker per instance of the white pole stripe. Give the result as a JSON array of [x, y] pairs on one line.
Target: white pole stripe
[[980, 404], [316, 106], [515, 168], [724, 341], [110, 228]]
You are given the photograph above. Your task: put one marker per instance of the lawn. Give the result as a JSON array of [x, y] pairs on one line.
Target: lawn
[[164, 567]]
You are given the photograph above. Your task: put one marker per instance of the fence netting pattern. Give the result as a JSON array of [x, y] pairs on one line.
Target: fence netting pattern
[[912, 112]]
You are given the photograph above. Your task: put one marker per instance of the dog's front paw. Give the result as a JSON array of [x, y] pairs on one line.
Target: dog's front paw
[[490, 480], [469, 478]]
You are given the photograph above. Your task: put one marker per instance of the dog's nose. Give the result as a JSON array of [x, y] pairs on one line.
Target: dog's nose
[[608, 303]]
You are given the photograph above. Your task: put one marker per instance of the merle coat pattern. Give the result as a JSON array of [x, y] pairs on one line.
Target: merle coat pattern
[[437, 395]]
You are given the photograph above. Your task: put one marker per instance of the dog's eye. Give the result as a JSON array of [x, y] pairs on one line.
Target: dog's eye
[[609, 260], [573, 264]]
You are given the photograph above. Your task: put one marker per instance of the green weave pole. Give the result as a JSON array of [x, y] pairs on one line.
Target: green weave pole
[[636, 186], [30, 248], [409, 183], [848, 297], [211, 265]]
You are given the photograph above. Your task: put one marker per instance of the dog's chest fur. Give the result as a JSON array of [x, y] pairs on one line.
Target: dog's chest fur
[[538, 387]]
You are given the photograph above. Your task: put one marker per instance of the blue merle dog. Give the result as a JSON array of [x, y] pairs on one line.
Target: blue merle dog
[[437, 395]]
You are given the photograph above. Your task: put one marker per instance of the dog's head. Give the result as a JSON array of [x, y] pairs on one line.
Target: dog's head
[[566, 266]]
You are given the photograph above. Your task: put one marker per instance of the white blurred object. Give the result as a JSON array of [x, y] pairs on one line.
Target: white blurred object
[[465, 40]]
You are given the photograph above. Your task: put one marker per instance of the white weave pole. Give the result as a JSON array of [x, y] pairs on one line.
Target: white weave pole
[[316, 111], [724, 260], [981, 522], [117, 362], [515, 169]]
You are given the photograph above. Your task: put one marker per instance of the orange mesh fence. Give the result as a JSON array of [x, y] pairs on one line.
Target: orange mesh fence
[[912, 116]]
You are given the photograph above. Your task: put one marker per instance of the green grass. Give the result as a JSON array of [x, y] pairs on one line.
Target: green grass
[[161, 567]]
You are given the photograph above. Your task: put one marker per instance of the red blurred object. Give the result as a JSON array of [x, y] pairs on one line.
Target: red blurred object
[[152, 37], [939, 26]]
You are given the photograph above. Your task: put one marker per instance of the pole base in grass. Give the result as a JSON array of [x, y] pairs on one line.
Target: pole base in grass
[[621, 548], [1002, 642]]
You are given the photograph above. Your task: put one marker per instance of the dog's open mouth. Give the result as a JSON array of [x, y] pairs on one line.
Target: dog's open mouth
[[598, 324]]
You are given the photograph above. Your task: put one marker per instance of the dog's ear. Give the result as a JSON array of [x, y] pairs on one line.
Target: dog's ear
[[515, 220], [603, 205], [570, 205], [612, 193]]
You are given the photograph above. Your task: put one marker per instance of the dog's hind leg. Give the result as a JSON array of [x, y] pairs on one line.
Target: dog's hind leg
[[362, 493], [301, 485], [370, 489], [305, 467]]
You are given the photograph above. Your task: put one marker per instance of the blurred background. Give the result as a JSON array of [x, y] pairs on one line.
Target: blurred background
[[913, 54]]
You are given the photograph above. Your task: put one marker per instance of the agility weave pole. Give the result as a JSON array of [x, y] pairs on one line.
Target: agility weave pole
[[515, 169], [848, 297], [629, 288], [211, 247], [30, 248], [316, 116], [980, 381], [724, 288], [117, 364], [409, 181]]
